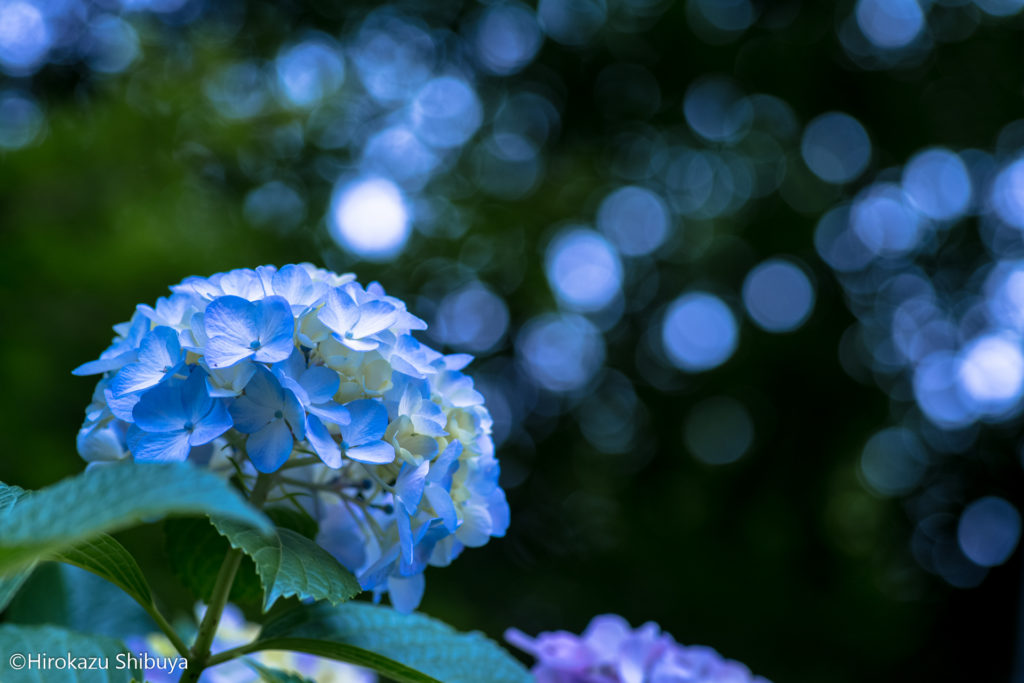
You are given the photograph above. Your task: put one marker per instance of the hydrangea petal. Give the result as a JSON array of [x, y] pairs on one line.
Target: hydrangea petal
[[270, 447], [375, 453], [406, 593], [276, 330], [320, 383], [368, 421], [214, 423], [249, 416], [165, 447], [322, 442], [476, 526]]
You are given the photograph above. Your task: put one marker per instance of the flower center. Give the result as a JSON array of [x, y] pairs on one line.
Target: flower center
[[189, 426], [255, 345], [278, 414]]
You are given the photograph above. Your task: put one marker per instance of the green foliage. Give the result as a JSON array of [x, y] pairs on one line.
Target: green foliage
[[290, 564], [268, 675], [295, 519], [108, 559], [413, 640], [64, 595], [195, 551], [342, 652], [9, 585], [109, 498], [58, 642]]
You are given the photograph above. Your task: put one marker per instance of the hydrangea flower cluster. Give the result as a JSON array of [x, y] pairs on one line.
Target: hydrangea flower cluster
[[609, 651], [233, 631], [304, 373]]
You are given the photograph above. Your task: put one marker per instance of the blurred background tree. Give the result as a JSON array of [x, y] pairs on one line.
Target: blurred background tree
[[743, 279]]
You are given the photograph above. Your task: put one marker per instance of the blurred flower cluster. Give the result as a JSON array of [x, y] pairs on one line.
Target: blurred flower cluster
[[304, 373], [609, 651]]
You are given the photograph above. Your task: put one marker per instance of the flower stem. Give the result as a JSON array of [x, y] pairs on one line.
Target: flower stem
[[168, 630], [200, 653]]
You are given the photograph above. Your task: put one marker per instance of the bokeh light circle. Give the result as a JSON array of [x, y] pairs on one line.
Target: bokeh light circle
[[562, 353], [778, 295], [989, 530], [836, 147], [583, 270], [699, 332], [369, 218]]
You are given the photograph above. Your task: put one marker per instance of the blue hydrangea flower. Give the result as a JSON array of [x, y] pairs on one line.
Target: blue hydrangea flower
[[175, 417], [237, 330], [387, 443], [609, 651], [273, 419]]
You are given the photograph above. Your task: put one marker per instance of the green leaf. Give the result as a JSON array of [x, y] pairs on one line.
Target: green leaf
[[196, 550], [352, 655], [10, 585], [105, 499], [9, 495], [268, 675], [58, 642], [63, 595], [108, 559], [291, 564], [297, 520], [414, 640]]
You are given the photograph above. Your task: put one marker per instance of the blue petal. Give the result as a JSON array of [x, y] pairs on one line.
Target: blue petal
[[230, 381], [135, 377], [249, 416], [98, 367], [122, 406], [160, 409], [195, 399], [405, 541], [497, 506], [232, 317], [406, 593], [265, 389], [293, 366], [169, 447], [230, 324], [293, 283], [339, 312], [321, 383], [374, 317], [441, 501], [160, 348], [375, 453], [294, 415], [332, 412], [409, 485], [223, 352], [368, 422], [214, 423], [276, 330], [476, 526], [323, 443], [270, 447], [444, 467]]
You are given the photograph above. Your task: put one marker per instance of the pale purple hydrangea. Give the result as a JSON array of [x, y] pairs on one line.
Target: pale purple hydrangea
[[610, 651], [304, 373]]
